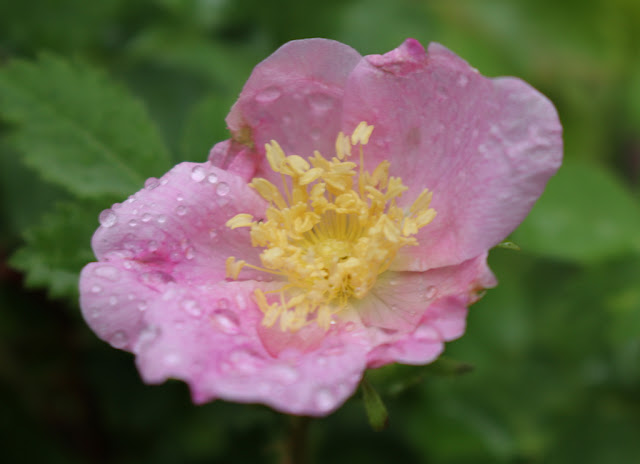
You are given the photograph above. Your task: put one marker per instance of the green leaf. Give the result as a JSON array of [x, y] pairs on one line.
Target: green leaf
[[58, 248], [376, 410], [205, 126], [584, 215], [78, 129]]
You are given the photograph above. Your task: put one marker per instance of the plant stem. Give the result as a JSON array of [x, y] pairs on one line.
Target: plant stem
[[296, 445]]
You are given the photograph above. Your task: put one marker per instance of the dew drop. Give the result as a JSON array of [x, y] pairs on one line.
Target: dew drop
[[212, 178], [286, 374], [142, 306], [222, 189], [350, 326], [96, 289], [245, 360], [172, 359], [198, 173], [161, 219], [152, 246], [157, 277], [320, 101], [425, 332], [268, 95], [146, 217], [151, 183], [223, 303], [179, 198], [189, 253], [113, 300], [430, 291], [147, 336], [192, 308], [107, 218], [213, 234], [133, 223], [119, 339], [181, 210], [324, 399], [107, 272], [225, 321], [463, 80]]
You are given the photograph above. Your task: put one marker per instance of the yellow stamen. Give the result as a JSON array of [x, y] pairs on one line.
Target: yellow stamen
[[329, 241]]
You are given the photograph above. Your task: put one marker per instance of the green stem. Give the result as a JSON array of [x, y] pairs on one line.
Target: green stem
[[296, 446]]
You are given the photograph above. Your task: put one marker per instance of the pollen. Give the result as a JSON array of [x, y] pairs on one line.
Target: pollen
[[328, 232]]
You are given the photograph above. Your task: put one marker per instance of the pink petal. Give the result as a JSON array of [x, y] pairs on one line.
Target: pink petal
[[422, 310], [218, 352], [293, 97], [176, 226], [486, 148]]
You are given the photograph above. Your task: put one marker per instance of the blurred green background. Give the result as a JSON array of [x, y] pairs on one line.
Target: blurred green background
[[555, 348]]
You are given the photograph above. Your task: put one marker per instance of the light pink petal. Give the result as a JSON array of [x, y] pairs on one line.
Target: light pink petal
[[215, 348], [422, 310], [486, 148], [293, 97], [399, 299], [176, 229]]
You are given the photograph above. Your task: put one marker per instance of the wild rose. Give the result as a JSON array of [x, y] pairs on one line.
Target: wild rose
[[345, 225]]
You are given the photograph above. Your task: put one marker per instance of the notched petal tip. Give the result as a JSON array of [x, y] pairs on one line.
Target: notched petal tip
[[405, 59]]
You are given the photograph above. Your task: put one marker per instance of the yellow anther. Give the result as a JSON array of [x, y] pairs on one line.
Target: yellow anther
[[361, 134], [240, 220], [330, 235]]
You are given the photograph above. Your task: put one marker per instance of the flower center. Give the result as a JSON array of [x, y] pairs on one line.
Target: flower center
[[326, 235]]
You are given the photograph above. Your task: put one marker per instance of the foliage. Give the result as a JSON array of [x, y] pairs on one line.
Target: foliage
[[97, 97]]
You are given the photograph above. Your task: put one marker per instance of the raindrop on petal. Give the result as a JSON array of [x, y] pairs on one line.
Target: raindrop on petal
[[146, 217], [324, 399], [96, 289], [181, 210], [119, 339], [192, 308], [198, 173], [286, 374], [268, 95], [107, 218], [430, 291], [151, 183], [225, 321], [320, 102], [212, 178], [133, 223], [161, 219], [107, 272], [222, 189]]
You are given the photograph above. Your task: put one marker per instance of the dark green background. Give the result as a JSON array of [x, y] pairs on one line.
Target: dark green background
[[555, 348]]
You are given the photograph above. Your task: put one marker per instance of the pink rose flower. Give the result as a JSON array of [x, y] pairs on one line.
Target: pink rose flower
[[345, 225]]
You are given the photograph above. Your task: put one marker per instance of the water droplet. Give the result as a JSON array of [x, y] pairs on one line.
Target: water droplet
[[213, 234], [198, 173], [430, 291], [315, 133], [324, 399], [240, 301], [156, 277], [172, 359], [349, 326], [127, 264], [179, 198], [225, 321], [190, 253], [113, 300], [152, 246], [142, 306], [212, 178], [151, 183], [286, 374], [245, 360], [107, 218], [320, 101], [161, 219], [146, 217], [96, 289], [133, 223], [223, 303], [147, 336], [268, 95], [425, 332], [130, 296], [107, 272], [463, 80], [181, 210], [119, 339], [222, 189], [192, 308]]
